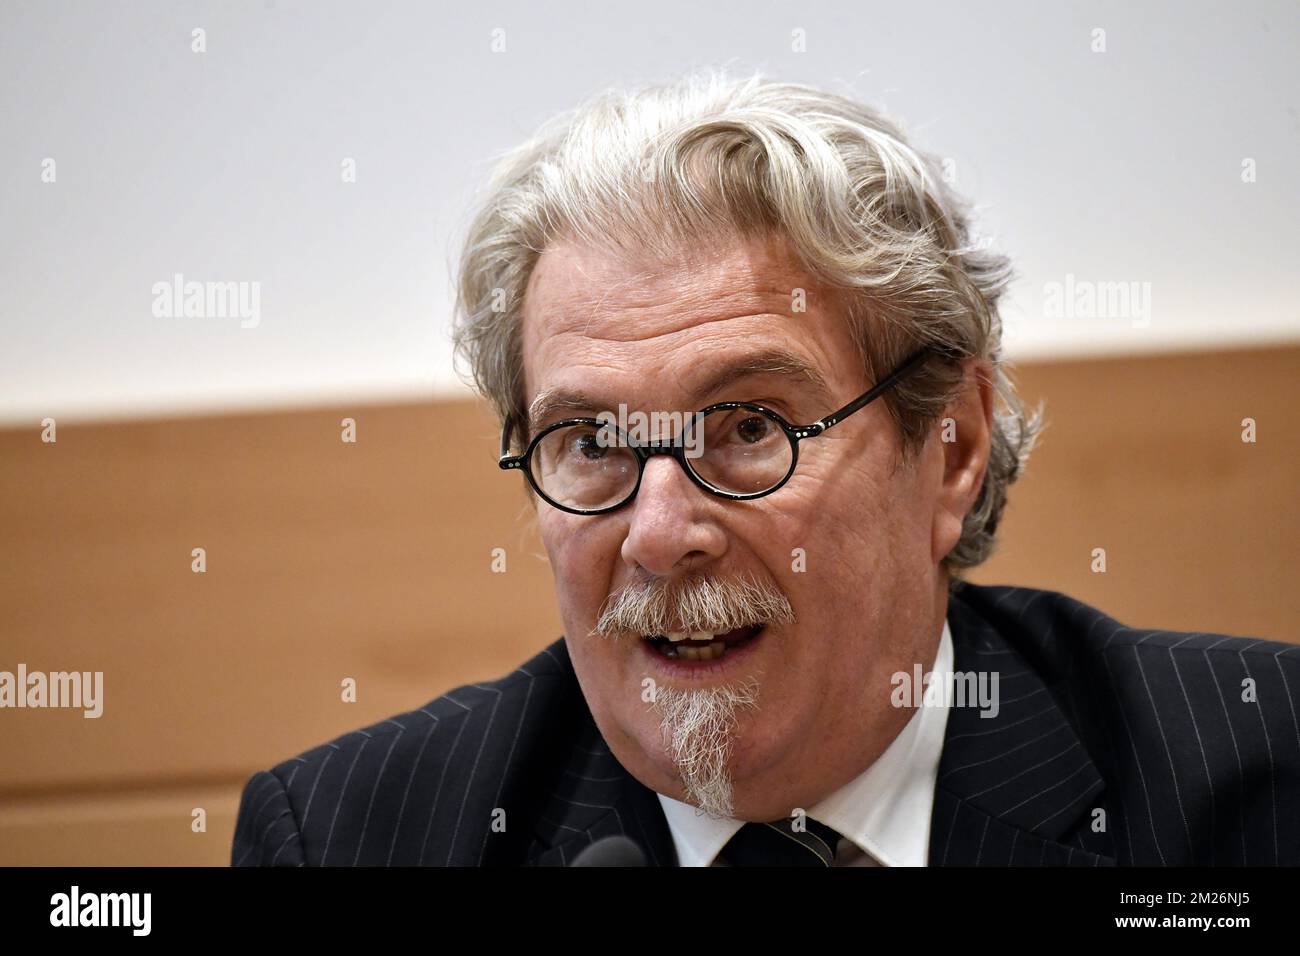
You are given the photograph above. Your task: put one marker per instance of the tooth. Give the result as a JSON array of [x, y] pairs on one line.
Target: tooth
[[717, 647], [701, 635], [670, 652], [676, 636], [689, 653]]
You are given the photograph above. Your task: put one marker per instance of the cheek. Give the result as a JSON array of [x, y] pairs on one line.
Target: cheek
[[582, 552], [864, 539], [847, 516]]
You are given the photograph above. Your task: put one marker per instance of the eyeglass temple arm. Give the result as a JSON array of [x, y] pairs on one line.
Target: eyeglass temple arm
[[505, 460], [817, 427]]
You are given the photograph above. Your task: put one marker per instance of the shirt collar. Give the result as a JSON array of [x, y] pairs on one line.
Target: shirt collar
[[885, 811]]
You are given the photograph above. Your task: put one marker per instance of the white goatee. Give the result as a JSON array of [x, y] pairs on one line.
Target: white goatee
[[697, 724], [697, 728]]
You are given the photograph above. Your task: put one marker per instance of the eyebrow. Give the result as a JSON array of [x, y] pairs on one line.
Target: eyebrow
[[765, 362]]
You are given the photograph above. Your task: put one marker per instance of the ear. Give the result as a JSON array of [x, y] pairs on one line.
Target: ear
[[965, 433]]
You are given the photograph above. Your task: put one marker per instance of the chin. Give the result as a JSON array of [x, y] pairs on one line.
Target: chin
[[756, 747]]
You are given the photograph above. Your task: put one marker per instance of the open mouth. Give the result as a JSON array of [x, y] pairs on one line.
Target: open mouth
[[702, 645]]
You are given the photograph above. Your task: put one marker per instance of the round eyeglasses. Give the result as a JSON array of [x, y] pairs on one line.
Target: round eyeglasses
[[735, 450]]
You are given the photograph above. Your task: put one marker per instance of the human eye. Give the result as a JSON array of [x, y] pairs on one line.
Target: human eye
[[753, 428], [586, 443], [739, 428]]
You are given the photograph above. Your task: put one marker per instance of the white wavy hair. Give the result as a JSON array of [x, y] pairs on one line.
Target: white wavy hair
[[652, 170]]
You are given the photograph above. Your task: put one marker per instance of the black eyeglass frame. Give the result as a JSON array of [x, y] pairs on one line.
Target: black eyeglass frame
[[676, 448]]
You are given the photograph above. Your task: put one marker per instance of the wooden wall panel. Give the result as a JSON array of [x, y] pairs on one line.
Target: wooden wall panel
[[371, 560], [1144, 457], [148, 828], [325, 561]]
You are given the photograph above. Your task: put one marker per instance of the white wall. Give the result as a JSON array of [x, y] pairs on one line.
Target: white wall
[[1115, 166]]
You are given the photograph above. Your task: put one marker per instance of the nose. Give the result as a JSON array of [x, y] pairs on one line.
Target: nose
[[672, 523]]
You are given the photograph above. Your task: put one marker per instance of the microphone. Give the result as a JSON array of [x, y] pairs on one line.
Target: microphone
[[611, 851]]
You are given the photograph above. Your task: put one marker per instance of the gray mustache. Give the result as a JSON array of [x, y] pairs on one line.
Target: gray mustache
[[696, 604]]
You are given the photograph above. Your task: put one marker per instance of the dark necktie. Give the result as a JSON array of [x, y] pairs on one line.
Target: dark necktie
[[777, 844]]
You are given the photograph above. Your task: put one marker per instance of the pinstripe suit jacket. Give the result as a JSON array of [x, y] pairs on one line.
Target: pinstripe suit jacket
[[1112, 746]]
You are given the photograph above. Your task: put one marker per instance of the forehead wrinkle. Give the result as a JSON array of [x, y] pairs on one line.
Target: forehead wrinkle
[[770, 360], [682, 295], [740, 273], [691, 311], [597, 309]]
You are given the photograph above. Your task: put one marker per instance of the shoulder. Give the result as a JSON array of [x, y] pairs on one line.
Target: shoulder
[[386, 793], [1196, 734], [1058, 632], [430, 731]]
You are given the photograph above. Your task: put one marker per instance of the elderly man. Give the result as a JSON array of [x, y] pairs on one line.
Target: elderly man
[[769, 658]]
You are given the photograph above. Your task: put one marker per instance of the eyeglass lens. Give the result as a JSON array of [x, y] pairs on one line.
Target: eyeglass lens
[[590, 467]]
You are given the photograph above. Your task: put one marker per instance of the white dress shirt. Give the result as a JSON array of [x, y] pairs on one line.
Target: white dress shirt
[[882, 815]]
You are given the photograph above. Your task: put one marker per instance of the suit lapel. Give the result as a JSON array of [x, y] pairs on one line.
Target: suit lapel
[[1017, 788], [604, 801], [596, 797]]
